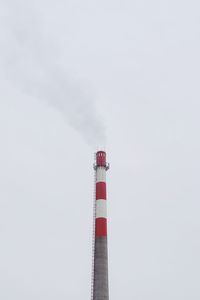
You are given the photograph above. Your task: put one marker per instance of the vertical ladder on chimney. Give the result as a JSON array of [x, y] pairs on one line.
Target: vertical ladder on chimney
[[93, 234]]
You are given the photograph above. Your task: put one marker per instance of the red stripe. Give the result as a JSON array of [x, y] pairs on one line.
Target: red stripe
[[100, 190], [101, 227]]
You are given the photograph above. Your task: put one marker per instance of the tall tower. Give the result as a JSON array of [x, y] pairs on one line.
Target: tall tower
[[100, 264]]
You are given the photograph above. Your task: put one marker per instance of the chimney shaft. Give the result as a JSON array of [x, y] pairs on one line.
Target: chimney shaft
[[100, 272]]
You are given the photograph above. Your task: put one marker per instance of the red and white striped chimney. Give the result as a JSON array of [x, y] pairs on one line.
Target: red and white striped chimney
[[100, 272]]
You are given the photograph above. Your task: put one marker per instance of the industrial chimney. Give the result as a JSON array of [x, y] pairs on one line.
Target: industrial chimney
[[100, 260]]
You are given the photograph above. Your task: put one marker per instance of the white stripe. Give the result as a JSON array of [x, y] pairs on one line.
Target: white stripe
[[101, 174], [101, 210]]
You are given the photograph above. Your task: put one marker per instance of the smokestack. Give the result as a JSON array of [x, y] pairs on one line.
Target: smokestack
[[100, 264]]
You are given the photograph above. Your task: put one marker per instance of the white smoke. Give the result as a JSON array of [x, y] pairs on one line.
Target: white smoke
[[30, 59]]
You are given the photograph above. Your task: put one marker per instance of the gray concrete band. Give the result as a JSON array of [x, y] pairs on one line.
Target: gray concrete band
[[100, 284]]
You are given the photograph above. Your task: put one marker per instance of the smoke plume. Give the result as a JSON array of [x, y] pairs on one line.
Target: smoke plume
[[30, 59]]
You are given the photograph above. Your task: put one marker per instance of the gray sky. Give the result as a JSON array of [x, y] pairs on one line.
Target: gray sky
[[71, 73]]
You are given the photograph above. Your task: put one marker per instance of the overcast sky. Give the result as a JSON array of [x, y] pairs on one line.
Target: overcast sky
[[76, 75]]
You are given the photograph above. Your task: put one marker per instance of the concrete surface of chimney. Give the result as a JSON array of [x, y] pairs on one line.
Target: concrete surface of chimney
[[100, 272]]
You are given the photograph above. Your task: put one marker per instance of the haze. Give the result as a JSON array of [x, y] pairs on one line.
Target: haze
[[75, 76]]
